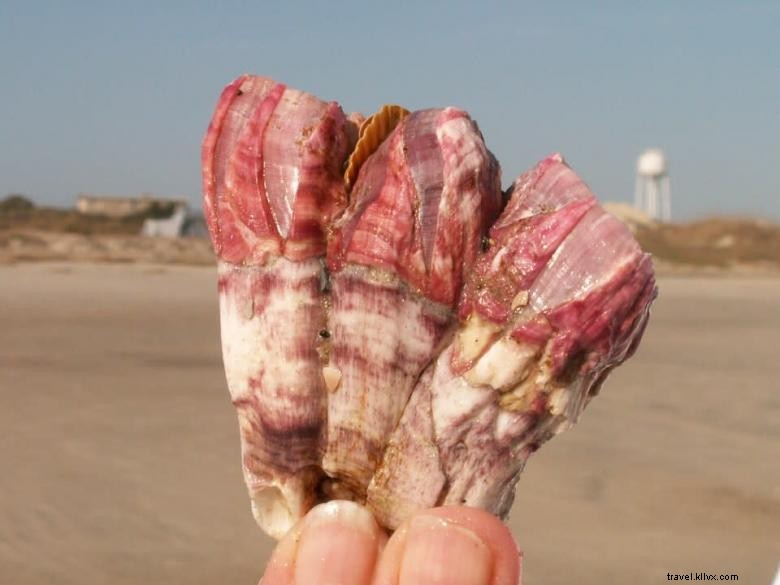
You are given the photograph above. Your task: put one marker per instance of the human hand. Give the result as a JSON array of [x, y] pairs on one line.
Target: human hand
[[339, 543]]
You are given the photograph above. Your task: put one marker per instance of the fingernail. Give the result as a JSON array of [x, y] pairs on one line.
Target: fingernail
[[339, 544], [439, 552]]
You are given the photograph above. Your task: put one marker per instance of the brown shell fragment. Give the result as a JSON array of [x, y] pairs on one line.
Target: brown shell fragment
[[373, 132]]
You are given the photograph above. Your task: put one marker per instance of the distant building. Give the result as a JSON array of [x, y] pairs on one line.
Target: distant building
[[168, 227], [163, 217], [119, 207], [181, 223]]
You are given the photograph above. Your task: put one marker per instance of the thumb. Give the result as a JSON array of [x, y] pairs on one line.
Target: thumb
[[452, 545], [337, 542]]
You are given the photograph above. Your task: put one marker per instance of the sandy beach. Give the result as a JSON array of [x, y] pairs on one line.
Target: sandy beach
[[120, 454]]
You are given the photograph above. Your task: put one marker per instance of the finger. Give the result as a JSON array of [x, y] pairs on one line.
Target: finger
[[337, 542], [452, 545], [280, 568]]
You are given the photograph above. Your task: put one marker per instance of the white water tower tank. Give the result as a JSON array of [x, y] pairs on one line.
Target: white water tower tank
[[652, 163], [652, 194]]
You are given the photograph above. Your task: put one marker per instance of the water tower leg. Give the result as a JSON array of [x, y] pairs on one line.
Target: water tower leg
[[652, 207], [666, 199]]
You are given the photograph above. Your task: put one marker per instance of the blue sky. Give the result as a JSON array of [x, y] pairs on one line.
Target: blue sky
[[114, 97]]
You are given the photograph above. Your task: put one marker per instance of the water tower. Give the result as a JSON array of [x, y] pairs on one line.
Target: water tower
[[652, 185]]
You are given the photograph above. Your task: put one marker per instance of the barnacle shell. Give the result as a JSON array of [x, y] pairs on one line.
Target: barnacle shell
[[408, 345]]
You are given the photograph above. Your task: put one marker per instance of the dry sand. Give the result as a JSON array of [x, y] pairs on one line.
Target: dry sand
[[120, 459]]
